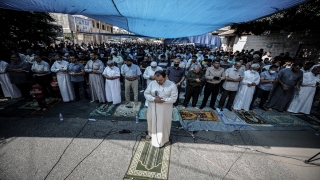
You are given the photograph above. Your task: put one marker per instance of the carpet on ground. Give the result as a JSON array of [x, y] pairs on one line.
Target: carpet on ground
[[204, 115], [33, 105], [282, 119], [250, 117], [309, 118], [128, 110], [5, 102], [175, 114], [230, 118], [49, 105], [149, 162], [104, 110]]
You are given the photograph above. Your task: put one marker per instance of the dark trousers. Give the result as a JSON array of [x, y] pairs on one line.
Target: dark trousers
[[225, 94], [213, 90], [24, 89], [143, 82], [82, 86], [42, 102], [44, 82], [263, 96], [191, 92], [177, 101]]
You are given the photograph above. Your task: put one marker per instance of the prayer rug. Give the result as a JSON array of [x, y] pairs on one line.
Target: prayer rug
[[309, 118], [204, 115], [250, 117], [175, 114], [149, 162], [230, 118], [104, 110], [128, 110], [282, 119], [50, 105], [4, 102], [33, 105]]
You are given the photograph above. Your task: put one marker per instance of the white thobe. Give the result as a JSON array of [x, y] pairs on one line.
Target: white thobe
[[96, 80], [159, 115], [245, 93], [8, 89], [64, 81], [146, 75], [302, 103], [113, 89]]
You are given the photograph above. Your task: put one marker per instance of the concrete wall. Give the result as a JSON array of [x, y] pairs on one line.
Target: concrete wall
[[282, 42]]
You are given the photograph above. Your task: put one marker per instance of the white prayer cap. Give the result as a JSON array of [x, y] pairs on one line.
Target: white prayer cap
[[255, 65], [153, 63], [110, 62]]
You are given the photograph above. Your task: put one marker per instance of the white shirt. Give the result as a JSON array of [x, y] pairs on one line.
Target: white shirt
[[150, 72], [42, 66]]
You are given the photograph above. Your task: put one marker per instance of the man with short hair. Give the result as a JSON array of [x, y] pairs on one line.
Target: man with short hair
[[30, 56], [232, 78], [76, 71], [131, 73], [256, 60], [192, 63], [161, 94], [194, 78], [163, 63], [60, 67], [113, 88], [176, 74], [289, 80], [214, 75], [250, 80], [95, 69], [41, 70]]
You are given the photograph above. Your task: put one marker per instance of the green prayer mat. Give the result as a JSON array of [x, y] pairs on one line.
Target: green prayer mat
[[104, 110], [50, 105], [250, 117], [175, 114], [309, 118], [149, 162], [282, 119], [33, 105]]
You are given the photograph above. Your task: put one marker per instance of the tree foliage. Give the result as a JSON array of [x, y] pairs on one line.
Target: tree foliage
[[20, 26], [299, 18]]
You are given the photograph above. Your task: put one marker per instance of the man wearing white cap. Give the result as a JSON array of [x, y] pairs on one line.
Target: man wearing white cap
[[113, 89], [149, 74]]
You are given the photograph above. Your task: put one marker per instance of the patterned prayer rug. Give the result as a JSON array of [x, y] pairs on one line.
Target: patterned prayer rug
[[128, 110], [104, 110], [230, 118], [311, 119], [175, 114], [204, 115], [282, 119], [149, 162], [4, 102], [33, 105], [50, 105], [250, 117]]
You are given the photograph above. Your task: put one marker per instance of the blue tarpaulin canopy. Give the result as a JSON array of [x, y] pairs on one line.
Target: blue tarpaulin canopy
[[207, 40], [159, 18]]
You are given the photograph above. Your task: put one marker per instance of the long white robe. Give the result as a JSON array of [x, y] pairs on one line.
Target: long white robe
[[96, 80], [302, 102], [245, 93], [146, 75], [8, 89], [113, 88], [64, 80], [159, 115]]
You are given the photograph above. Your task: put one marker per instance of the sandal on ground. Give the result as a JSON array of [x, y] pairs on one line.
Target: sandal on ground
[[148, 138]]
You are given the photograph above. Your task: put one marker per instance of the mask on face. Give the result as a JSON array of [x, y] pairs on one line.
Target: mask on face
[[272, 72], [153, 69], [176, 65], [129, 65]]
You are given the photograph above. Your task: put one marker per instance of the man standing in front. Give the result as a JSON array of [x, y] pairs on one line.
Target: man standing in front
[[41, 70], [289, 80], [61, 67], [214, 76], [161, 94], [194, 77], [76, 71], [230, 85], [113, 89], [131, 73], [176, 74], [95, 69]]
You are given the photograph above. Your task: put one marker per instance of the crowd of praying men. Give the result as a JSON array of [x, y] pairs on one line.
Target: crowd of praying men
[[240, 77]]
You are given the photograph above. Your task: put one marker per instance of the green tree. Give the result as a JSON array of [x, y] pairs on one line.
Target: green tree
[[303, 17], [19, 26]]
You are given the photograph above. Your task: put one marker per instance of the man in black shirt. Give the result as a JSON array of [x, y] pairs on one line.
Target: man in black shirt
[[176, 74]]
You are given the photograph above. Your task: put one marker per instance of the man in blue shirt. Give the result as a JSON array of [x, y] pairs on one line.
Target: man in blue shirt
[[76, 71], [267, 80], [176, 74]]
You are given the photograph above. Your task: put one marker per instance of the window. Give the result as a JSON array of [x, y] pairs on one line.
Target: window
[[111, 30], [107, 28], [98, 25], [93, 23], [103, 27]]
